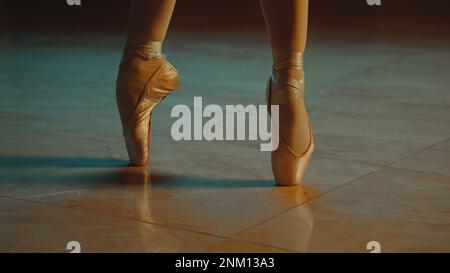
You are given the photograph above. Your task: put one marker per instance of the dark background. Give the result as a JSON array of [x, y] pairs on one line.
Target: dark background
[[394, 19]]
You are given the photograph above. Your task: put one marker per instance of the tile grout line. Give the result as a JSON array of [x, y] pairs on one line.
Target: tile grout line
[[416, 152], [256, 224], [252, 226], [349, 160], [383, 165], [440, 149], [264, 245], [419, 171], [388, 165], [305, 202], [53, 205]]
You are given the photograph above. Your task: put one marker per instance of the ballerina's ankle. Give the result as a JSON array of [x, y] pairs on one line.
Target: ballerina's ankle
[[149, 50], [288, 73]]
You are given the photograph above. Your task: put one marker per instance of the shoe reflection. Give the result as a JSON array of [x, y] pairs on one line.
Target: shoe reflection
[[146, 238], [294, 226], [138, 180]]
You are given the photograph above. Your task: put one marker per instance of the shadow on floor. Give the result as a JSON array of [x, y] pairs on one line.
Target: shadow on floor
[[92, 172], [67, 162]]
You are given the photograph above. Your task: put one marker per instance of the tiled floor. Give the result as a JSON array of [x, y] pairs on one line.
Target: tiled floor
[[381, 171]]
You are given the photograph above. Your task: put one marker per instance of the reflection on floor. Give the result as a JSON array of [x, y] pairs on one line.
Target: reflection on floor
[[381, 114]]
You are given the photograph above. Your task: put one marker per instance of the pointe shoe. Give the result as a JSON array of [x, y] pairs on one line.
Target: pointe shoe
[[288, 164], [142, 83]]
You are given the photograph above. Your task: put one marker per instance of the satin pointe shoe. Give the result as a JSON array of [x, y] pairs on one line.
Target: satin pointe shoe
[[141, 84], [289, 161]]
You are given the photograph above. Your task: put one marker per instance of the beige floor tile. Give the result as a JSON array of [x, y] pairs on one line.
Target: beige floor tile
[[395, 103], [325, 174], [290, 230], [230, 246], [403, 210], [445, 145], [369, 150], [29, 182], [352, 125], [11, 204], [419, 68], [218, 206], [429, 160], [40, 228]]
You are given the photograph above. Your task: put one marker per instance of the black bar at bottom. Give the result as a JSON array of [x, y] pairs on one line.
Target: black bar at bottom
[[225, 262]]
